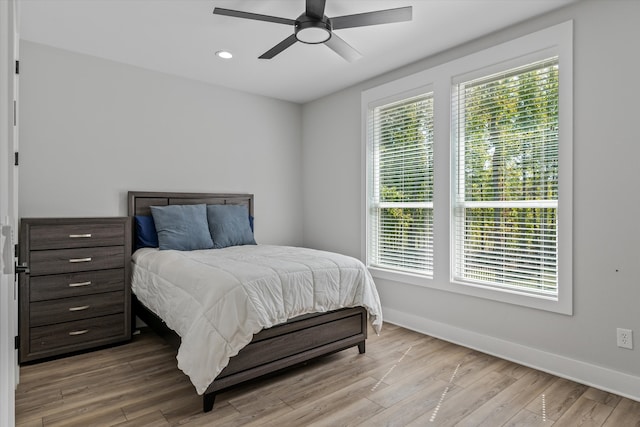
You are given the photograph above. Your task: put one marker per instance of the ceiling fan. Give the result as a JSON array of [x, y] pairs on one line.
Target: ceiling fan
[[314, 27]]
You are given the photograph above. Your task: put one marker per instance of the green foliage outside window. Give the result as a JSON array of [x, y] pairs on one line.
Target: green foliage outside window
[[405, 184], [508, 185]]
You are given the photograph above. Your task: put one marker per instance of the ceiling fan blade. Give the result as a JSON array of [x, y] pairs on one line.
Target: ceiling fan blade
[[315, 8], [386, 16], [342, 48], [255, 16], [279, 47]]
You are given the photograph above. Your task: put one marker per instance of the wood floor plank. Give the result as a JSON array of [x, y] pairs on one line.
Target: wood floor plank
[[82, 373], [107, 394], [608, 399], [473, 366], [399, 391], [328, 382], [35, 398], [559, 397], [506, 404], [410, 379], [37, 422], [162, 399], [272, 411], [404, 378], [315, 410], [455, 408], [188, 411], [516, 371], [257, 402], [356, 412], [420, 402], [27, 412], [150, 419], [526, 418], [82, 417], [436, 365], [585, 412], [625, 414]]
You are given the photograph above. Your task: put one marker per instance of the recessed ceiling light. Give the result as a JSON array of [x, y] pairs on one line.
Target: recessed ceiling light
[[224, 54]]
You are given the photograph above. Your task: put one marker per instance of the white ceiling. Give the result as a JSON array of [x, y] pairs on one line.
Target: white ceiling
[[180, 37]]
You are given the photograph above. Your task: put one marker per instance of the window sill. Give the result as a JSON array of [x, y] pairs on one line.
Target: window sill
[[401, 276], [561, 304]]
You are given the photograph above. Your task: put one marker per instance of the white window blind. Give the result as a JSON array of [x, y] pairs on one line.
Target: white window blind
[[401, 179], [506, 179]]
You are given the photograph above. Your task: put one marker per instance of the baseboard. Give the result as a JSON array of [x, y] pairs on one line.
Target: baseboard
[[575, 370]]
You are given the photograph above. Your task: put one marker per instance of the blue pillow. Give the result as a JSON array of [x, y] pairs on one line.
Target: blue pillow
[[229, 225], [146, 234], [182, 227]]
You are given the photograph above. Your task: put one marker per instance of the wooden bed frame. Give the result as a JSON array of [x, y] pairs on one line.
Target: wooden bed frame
[[271, 350]]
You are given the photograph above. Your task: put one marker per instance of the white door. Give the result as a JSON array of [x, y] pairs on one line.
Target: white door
[[8, 209]]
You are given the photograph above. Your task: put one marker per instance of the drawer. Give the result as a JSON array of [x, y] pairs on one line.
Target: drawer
[[68, 309], [75, 284], [73, 260], [60, 236], [76, 334]]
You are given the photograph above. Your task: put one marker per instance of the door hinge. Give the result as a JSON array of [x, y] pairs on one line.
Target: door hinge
[[17, 67], [16, 159], [22, 268], [16, 342], [15, 249]]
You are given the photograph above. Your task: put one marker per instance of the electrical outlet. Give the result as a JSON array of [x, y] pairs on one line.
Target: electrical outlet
[[625, 338]]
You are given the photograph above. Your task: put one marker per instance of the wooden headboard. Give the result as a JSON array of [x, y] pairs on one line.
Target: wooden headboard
[[139, 202]]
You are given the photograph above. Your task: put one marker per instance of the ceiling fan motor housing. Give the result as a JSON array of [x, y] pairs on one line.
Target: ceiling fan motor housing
[[311, 30]]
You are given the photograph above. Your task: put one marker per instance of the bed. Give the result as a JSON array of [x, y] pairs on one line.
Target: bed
[[263, 325]]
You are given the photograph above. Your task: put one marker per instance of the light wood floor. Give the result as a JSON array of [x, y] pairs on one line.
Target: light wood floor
[[404, 379]]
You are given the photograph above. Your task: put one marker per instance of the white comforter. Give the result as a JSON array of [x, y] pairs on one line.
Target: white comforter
[[217, 299]]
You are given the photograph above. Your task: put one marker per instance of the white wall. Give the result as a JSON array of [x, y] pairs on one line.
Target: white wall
[[606, 210], [92, 129]]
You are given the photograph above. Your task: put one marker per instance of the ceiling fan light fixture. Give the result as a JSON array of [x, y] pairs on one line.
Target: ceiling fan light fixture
[[313, 32]]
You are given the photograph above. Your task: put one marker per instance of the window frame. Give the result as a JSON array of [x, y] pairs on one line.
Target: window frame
[[557, 40], [373, 203], [394, 91]]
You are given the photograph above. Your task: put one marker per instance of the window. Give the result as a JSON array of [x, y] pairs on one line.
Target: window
[[401, 205], [506, 179], [468, 184]]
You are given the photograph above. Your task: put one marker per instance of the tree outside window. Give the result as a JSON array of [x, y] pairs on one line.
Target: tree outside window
[[402, 186], [506, 187]]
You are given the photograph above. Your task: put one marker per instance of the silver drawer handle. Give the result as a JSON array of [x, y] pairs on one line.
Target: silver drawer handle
[[76, 285], [80, 332], [79, 308], [79, 236], [80, 260]]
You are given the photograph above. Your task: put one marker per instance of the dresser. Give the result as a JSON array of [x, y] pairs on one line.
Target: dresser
[[76, 294]]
